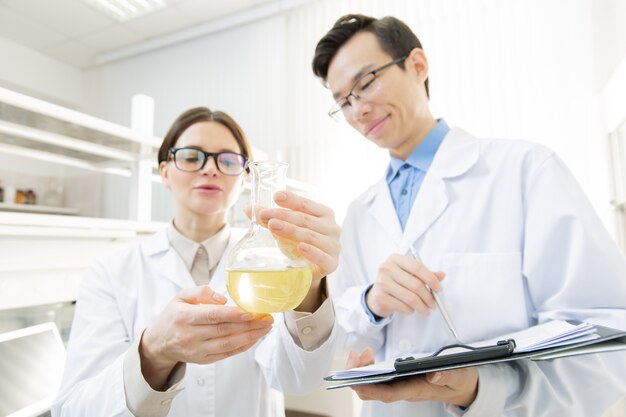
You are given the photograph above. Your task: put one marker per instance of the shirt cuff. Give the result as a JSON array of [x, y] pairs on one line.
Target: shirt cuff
[[494, 384], [374, 319], [141, 399], [310, 330]]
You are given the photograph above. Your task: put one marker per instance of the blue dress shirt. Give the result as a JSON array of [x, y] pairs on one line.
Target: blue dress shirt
[[405, 177]]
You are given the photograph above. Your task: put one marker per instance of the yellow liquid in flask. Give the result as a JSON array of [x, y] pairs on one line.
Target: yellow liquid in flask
[[269, 291]]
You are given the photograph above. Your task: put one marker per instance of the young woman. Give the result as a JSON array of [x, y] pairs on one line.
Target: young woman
[[152, 335]]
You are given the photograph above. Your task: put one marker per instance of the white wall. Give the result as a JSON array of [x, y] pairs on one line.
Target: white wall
[[522, 69], [238, 70], [610, 37], [30, 72]]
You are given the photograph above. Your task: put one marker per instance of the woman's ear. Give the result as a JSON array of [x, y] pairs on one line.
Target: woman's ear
[[163, 170]]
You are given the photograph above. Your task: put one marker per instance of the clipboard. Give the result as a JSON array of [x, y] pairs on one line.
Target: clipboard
[[502, 349], [606, 340]]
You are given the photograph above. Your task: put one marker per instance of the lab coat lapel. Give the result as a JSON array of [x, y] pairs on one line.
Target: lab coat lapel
[[458, 152], [430, 202], [170, 267], [173, 268], [381, 207]]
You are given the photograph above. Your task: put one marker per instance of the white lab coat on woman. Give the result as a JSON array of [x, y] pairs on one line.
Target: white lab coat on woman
[[120, 297], [520, 245]]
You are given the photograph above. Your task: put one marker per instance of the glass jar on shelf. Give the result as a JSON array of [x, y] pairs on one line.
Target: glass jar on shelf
[[20, 197], [53, 195], [266, 274]]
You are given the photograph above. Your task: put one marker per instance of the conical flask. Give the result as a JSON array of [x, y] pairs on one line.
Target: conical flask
[[265, 274]]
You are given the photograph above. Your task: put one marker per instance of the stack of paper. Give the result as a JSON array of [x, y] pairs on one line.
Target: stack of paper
[[548, 335]]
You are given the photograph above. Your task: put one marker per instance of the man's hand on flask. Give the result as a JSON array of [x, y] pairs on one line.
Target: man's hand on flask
[[309, 226]]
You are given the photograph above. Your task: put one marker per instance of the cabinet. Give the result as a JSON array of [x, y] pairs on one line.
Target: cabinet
[[73, 161]]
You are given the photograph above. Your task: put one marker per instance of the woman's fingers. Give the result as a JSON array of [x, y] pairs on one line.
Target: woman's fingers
[[202, 294]]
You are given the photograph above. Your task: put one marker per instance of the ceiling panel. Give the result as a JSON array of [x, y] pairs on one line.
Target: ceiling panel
[[111, 38], [26, 32], [161, 22], [74, 32], [73, 52], [68, 17], [202, 10]]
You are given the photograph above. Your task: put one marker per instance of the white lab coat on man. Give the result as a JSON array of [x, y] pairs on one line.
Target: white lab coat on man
[[520, 245], [120, 297]]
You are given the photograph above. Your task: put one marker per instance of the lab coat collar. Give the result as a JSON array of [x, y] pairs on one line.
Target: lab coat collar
[[457, 154], [381, 208], [156, 244], [172, 267]]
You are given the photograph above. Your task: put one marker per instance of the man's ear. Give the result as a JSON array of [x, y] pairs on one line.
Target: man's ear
[[164, 171], [418, 64]]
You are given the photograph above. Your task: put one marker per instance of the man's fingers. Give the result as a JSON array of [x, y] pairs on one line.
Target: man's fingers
[[417, 268], [247, 209], [322, 263], [453, 378], [324, 225], [202, 294], [293, 201], [381, 392], [291, 232], [410, 389], [383, 302], [413, 292], [407, 289], [367, 357], [438, 378], [440, 275], [355, 360]]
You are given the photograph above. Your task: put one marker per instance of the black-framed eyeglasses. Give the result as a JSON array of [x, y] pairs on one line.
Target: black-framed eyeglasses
[[365, 87], [194, 159]]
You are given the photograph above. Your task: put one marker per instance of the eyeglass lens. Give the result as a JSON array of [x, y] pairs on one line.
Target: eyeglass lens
[[365, 88], [190, 160]]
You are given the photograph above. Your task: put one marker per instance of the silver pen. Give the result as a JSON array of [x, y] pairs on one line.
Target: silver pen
[[440, 305]]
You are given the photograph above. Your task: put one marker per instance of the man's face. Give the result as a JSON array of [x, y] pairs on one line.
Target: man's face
[[390, 117]]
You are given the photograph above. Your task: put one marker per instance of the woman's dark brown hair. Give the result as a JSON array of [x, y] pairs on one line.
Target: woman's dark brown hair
[[203, 114]]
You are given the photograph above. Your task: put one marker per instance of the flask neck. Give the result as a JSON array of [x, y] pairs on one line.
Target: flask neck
[[268, 177]]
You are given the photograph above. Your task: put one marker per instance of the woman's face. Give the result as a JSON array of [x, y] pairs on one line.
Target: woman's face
[[208, 191]]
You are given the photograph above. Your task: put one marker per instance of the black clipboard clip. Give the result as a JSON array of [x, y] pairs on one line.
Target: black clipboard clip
[[502, 349]]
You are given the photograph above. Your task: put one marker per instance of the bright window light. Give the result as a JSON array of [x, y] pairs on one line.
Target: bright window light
[[122, 10]]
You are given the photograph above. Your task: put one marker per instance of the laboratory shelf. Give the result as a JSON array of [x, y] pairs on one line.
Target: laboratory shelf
[[34, 208]]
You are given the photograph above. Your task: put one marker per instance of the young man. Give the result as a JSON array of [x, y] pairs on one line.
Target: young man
[[504, 222]]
